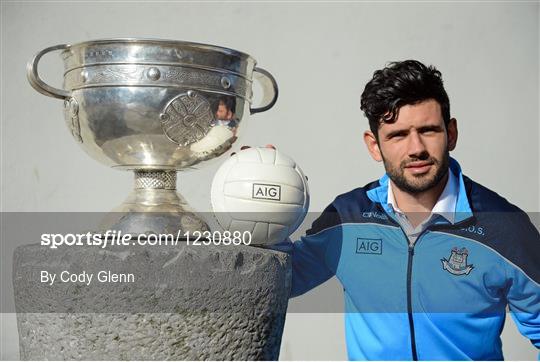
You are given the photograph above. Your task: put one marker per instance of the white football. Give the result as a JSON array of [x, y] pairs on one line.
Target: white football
[[261, 191]]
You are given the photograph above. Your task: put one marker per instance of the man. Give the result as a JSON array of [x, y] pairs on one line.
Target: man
[[428, 258], [224, 111], [224, 114], [226, 108]]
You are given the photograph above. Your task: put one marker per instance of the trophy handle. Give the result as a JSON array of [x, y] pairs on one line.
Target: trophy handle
[[270, 88], [37, 83]]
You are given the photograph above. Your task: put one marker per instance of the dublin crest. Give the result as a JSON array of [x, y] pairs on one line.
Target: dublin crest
[[457, 264]]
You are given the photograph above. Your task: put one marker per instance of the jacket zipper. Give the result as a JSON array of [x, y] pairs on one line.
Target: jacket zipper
[[409, 288], [409, 283], [409, 301]]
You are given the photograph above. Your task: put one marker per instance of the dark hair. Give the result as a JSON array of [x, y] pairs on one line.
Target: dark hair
[[229, 102], [399, 84]]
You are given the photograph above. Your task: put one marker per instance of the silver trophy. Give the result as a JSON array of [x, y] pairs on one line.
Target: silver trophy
[[154, 107]]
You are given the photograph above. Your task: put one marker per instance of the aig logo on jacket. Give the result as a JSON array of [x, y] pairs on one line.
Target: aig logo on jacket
[[368, 246], [457, 263]]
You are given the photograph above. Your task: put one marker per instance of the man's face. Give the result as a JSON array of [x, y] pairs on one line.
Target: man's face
[[415, 148], [223, 112]]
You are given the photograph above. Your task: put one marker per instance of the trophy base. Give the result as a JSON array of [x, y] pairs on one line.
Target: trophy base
[[154, 207], [186, 303]]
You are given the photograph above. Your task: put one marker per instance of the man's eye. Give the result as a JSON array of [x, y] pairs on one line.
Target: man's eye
[[397, 135], [430, 130]]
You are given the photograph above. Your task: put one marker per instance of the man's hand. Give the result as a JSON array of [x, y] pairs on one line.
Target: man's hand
[[246, 147]]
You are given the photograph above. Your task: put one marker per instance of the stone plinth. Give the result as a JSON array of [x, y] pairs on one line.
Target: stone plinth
[[187, 302]]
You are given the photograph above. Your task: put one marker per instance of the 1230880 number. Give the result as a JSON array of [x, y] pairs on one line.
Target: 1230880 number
[[218, 238]]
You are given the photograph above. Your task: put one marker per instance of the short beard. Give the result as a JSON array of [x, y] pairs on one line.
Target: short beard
[[397, 175]]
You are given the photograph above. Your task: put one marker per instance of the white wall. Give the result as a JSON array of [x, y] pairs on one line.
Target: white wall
[[321, 54]]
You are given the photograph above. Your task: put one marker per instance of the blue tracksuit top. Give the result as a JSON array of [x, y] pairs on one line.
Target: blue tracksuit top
[[443, 298]]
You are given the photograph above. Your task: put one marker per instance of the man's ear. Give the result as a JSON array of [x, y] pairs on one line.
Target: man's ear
[[452, 133], [372, 146]]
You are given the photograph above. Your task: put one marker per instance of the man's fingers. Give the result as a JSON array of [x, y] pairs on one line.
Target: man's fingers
[[246, 147]]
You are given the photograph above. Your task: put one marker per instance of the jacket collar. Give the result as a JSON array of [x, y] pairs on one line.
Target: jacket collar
[[462, 211]]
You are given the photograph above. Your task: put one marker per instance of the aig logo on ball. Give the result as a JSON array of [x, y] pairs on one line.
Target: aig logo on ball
[[262, 191], [266, 192]]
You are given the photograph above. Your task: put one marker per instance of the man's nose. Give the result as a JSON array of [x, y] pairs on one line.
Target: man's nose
[[416, 145]]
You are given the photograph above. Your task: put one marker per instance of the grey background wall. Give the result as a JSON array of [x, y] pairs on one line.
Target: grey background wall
[[321, 54]]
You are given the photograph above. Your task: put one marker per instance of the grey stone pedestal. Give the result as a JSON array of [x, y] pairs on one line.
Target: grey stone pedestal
[[186, 302]]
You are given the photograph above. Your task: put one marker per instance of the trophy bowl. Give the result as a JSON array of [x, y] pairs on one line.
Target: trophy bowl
[[155, 107]]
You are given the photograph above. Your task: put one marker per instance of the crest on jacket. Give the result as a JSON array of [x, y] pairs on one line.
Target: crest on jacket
[[457, 262]]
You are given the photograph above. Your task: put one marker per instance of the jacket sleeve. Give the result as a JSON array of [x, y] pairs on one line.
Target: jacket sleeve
[[523, 293], [524, 303], [316, 255]]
